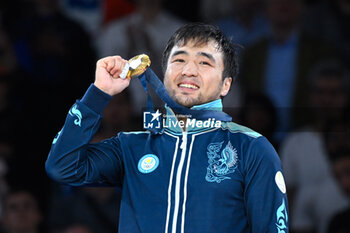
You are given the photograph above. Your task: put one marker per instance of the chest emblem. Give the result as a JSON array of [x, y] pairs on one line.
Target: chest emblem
[[148, 163], [221, 163]]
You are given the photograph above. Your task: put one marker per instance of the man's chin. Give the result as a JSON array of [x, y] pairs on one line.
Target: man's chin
[[189, 103]]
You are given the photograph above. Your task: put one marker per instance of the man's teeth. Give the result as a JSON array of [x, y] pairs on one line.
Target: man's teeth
[[186, 85]]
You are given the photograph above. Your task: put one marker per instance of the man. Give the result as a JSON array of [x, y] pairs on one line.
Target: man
[[278, 64], [151, 22], [223, 178], [94, 207], [303, 152], [341, 168], [21, 212]]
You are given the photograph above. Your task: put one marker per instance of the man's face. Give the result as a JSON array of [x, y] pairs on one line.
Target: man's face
[[328, 97], [194, 74], [21, 213], [283, 13]]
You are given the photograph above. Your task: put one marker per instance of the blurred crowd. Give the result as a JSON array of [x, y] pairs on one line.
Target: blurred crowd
[[293, 87]]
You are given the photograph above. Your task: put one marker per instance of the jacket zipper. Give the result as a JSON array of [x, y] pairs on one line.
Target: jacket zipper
[[183, 148]]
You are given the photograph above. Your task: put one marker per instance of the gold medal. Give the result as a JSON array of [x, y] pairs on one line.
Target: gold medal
[[136, 66]]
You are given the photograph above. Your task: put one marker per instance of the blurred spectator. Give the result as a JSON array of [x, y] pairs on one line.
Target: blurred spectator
[[51, 48], [315, 205], [77, 228], [8, 106], [145, 31], [56, 60], [10, 129], [303, 153], [52, 51], [89, 14], [319, 203], [21, 213], [341, 167], [212, 10], [93, 14], [278, 64], [3, 182], [12, 11], [7, 56], [247, 24], [96, 208], [259, 114], [184, 9], [10, 110], [115, 9], [8, 118], [330, 21]]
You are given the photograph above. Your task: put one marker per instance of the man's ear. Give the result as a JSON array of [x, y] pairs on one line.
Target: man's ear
[[226, 84]]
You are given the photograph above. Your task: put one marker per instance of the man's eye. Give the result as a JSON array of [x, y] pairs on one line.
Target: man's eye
[[179, 60], [204, 63]]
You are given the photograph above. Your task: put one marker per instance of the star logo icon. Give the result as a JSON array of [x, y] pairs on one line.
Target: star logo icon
[[156, 115]]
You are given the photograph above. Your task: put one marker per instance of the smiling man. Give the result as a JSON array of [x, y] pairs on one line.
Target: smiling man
[[194, 73], [203, 178]]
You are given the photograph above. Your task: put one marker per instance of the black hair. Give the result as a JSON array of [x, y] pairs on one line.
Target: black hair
[[202, 33]]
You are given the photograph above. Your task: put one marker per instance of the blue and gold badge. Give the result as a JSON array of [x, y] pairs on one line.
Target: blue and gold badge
[[148, 163]]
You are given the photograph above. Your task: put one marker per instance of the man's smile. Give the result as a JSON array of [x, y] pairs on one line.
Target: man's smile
[[188, 86]]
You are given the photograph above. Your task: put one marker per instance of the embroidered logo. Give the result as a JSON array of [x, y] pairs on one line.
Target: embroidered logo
[[148, 163], [75, 112], [220, 164], [282, 218]]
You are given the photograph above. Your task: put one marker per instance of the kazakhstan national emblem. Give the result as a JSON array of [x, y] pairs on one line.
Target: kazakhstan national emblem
[[221, 164]]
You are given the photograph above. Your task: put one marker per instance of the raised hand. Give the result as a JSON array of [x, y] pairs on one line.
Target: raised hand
[[107, 77]]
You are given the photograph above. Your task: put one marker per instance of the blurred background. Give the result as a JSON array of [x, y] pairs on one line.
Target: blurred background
[[293, 87]]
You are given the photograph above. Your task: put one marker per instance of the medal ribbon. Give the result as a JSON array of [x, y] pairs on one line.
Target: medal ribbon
[[152, 79]]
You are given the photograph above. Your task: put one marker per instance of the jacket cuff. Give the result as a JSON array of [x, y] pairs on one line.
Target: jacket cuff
[[96, 99]]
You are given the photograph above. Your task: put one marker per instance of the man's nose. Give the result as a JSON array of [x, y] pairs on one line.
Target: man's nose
[[190, 69]]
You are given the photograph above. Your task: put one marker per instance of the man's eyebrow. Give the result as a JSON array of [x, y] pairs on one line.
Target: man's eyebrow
[[179, 52], [208, 55]]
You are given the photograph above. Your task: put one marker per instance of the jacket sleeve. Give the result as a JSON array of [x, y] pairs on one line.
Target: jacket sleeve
[[72, 159], [265, 190]]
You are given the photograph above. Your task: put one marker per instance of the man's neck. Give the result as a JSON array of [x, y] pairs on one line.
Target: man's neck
[[212, 105]]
